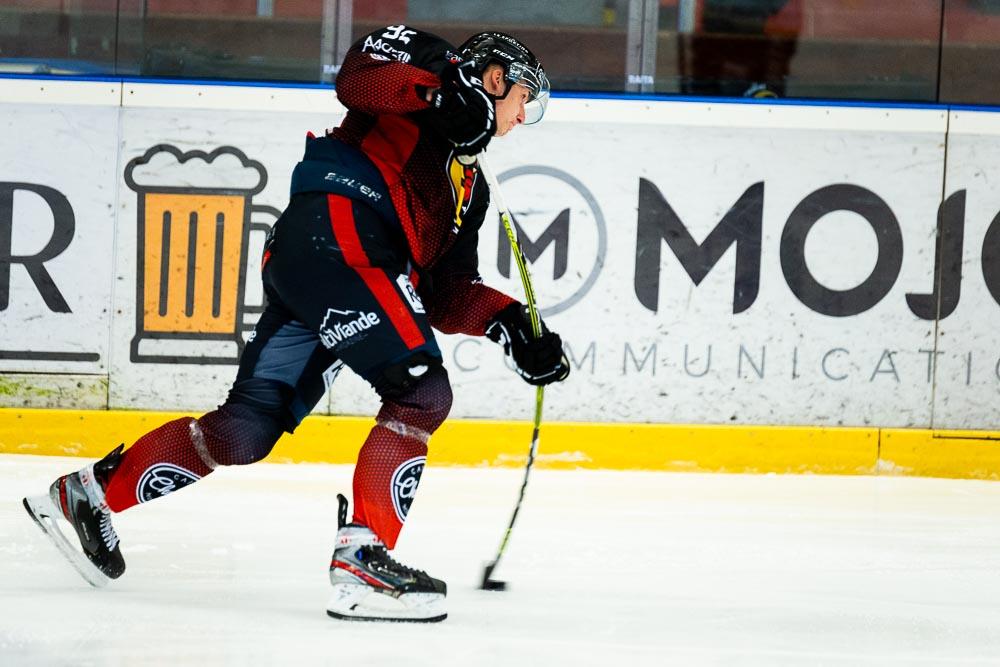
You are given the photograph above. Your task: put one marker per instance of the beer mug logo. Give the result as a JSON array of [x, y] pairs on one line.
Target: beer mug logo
[[194, 226]]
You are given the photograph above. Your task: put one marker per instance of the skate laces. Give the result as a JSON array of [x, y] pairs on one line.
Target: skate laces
[[381, 557], [108, 533]]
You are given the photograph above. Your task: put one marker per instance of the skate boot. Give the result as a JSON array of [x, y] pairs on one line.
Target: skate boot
[[79, 499], [368, 585]]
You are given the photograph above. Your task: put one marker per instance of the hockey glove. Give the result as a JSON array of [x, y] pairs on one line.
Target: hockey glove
[[540, 361], [462, 110]]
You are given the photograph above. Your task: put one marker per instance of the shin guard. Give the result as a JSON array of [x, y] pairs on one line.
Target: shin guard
[[392, 459], [385, 481], [164, 460]]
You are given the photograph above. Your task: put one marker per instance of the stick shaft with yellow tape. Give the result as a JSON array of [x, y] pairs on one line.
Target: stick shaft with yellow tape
[[536, 329]]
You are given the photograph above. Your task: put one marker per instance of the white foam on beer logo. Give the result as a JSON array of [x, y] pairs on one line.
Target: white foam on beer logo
[[222, 169]]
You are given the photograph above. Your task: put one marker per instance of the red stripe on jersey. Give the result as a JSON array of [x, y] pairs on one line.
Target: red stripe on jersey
[[346, 233]]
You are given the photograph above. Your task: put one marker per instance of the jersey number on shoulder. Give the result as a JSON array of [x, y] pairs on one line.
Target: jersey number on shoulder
[[400, 32]]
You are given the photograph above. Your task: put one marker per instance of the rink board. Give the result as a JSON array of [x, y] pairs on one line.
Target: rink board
[[717, 264], [690, 448]]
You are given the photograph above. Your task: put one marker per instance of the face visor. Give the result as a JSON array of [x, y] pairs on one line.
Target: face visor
[[534, 79]]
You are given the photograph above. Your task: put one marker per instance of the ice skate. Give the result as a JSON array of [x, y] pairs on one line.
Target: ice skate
[[368, 585], [79, 499]]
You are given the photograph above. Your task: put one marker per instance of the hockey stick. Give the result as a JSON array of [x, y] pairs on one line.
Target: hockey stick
[[489, 583]]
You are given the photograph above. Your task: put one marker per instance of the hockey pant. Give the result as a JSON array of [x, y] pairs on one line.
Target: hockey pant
[[338, 294]]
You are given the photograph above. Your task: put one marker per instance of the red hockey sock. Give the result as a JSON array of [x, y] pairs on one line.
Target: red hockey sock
[[392, 459], [159, 463], [385, 481]]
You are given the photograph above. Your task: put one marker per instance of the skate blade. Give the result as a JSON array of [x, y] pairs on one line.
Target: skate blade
[[44, 512], [360, 602]]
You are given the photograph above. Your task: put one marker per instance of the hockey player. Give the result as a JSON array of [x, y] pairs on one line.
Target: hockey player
[[376, 247]]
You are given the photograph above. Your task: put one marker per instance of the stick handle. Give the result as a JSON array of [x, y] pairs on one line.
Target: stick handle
[[511, 229], [536, 328]]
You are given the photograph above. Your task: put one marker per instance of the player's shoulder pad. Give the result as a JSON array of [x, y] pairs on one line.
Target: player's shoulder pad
[[409, 45]]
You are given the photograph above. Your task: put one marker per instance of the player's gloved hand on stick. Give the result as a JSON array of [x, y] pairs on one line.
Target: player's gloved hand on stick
[[462, 110], [540, 361]]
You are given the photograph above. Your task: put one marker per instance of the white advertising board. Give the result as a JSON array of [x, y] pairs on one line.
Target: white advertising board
[[57, 216], [704, 263], [729, 273], [968, 378], [188, 284]]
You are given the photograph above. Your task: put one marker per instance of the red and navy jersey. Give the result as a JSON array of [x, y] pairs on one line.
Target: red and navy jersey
[[440, 202]]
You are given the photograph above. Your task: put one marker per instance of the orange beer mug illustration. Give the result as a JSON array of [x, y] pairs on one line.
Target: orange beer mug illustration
[[194, 226]]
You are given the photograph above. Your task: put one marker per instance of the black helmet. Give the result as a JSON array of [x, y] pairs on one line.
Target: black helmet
[[519, 66]]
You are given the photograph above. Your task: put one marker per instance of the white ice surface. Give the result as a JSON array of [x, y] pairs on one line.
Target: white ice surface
[[605, 568]]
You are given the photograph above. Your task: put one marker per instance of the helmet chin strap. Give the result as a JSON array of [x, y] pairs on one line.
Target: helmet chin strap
[[507, 84]]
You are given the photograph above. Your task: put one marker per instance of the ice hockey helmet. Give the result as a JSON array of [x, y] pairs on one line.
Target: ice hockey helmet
[[519, 65]]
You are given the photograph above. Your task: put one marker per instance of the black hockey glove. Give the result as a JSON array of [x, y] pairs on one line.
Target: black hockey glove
[[540, 361], [462, 110]]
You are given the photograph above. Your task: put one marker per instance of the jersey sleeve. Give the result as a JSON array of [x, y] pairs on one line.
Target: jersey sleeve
[[390, 70], [459, 301]]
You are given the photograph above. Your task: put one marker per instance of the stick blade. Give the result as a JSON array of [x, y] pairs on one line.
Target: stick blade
[[493, 585], [489, 583]]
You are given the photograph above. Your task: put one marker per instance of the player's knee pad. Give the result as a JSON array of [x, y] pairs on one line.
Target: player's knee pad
[[399, 378], [424, 406], [238, 434]]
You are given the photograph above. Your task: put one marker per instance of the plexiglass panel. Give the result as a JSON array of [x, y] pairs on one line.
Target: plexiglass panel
[[581, 43], [970, 53], [921, 50], [848, 49], [58, 38]]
